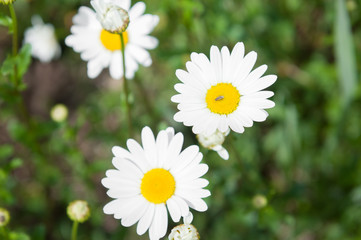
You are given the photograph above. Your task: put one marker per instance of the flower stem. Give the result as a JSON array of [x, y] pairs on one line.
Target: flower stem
[[74, 230], [126, 90], [4, 233], [15, 40]]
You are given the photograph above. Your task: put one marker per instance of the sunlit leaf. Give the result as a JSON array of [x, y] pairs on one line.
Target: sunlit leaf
[[345, 52]]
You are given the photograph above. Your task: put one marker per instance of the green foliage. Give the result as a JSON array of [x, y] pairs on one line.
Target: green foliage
[[345, 53], [7, 22]]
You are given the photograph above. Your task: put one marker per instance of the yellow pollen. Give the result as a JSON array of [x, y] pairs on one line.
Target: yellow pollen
[[223, 98], [111, 41], [157, 186]]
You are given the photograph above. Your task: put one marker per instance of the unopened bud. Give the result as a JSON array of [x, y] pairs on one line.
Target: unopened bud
[[78, 211], [184, 232], [259, 201], [112, 17], [4, 217], [59, 113]]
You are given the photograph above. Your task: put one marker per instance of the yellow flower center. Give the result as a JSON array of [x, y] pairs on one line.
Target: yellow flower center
[[111, 41], [223, 98], [158, 185]]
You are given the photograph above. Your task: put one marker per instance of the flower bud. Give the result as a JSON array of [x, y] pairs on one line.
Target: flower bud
[[259, 201], [78, 211], [113, 18], [184, 232], [6, 2], [4, 217], [214, 142], [59, 113]]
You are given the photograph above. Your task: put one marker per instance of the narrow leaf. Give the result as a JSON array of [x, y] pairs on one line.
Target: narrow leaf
[[345, 52]]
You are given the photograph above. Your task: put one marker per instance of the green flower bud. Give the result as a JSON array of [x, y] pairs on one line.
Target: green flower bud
[[259, 201], [4, 217], [78, 211]]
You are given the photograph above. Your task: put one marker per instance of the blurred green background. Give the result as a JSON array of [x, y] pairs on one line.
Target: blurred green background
[[304, 159]]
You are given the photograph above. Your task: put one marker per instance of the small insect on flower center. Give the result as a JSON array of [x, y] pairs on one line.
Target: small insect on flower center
[[223, 98], [157, 185], [111, 41]]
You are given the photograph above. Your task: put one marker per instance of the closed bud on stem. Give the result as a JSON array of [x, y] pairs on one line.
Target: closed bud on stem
[[184, 232], [78, 211], [113, 18], [59, 113], [4, 217], [259, 201]]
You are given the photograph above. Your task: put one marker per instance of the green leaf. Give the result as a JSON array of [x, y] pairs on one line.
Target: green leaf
[[6, 151], [23, 60], [345, 52], [18, 236], [7, 22], [8, 66]]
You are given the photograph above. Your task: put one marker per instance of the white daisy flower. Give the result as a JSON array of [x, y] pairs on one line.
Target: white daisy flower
[[222, 92], [42, 39], [152, 178], [102, 49], [214, 142]]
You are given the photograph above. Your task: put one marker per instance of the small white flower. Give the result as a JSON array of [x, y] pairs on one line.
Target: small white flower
[[222, 92], [112, 17], [214, 142], [102, 49], [42, 39], [152, 178], [184, 232]]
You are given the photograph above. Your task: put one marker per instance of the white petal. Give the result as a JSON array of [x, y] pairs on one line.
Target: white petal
[[184, 159], [138, 155], [216, 61], [260, 84], [223, 153], [184, 208], [137, 211], [174, 209], [115, 68], [146, 220], [188, 219], [137, 10]]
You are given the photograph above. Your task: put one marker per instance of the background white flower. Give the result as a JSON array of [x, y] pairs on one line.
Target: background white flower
[[42, 39], [222, 92], [152, 178], [102, 49]]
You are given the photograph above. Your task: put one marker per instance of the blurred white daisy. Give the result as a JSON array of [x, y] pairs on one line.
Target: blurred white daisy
[[222, 92], [101, 49], [42, 39], [152, 178], [214, 142]]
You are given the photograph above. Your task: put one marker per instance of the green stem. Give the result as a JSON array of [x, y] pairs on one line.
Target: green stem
[[4, 233], [74, 230], [15, 40], [126, 90]]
